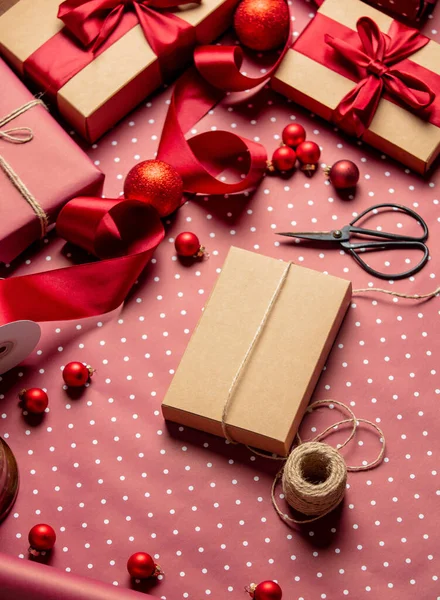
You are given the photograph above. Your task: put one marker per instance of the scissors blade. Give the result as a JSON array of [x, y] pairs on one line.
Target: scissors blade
[[317, 236]]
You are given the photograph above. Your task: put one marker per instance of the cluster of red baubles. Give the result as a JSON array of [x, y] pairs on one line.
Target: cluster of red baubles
[[344, 174], [36, 400]]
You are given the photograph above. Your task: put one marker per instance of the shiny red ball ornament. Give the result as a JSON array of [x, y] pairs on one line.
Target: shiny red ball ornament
[[266, 590], [42, 538], [293, 135], [35, 400], [344, 174], [283, 159], [308, 154], [187, 244], [75, 374], [157, 183], [262, 24], [140, 565]]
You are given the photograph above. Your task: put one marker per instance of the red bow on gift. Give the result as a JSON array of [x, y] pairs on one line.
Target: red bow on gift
[[93, 21], [375, 60]]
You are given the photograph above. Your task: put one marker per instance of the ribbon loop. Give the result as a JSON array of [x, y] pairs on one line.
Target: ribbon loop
[[376, 53], [93, 21]]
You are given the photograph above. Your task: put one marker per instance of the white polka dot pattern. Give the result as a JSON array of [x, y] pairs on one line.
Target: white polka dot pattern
[[112, 478]]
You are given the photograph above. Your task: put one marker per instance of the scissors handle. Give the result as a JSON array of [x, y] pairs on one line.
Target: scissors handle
[[384, 234], [391, 245]]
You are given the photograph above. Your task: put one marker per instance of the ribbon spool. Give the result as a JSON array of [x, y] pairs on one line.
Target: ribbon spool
[[314, 476]]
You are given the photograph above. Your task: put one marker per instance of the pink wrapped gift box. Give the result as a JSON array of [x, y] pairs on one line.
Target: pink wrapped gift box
[[51, 166]]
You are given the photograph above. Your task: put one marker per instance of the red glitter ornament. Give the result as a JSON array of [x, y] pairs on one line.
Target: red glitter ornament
[[157, 183], [344, 174], [266, 590], [308, 154], [75, 374], [283, 159], [187, 244], [140, 565], [35, 400], [293, 135], [262, 24], [42, 538]]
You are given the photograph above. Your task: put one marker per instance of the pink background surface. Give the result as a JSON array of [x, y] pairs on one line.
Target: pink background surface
[[112, 478]]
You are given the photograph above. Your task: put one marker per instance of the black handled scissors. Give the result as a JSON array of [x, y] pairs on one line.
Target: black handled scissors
[[390, 241]]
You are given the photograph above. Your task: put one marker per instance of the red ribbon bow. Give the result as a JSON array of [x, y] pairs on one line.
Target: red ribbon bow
[[375, 60], [93, 21]]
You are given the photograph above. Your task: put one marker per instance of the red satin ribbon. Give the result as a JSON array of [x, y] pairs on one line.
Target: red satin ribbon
[[124, 233], [92, 26], [379, 63], [202, 158]]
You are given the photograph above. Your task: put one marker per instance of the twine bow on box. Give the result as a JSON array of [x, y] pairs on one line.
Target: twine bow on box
[[377, 60], [22, 135], [93, 21]]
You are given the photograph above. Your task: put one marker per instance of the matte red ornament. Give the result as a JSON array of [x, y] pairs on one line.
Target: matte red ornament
[[35, 400], [262, 24], [187, 244], [42, 538], [140, 565], [308, 154], [75, 374], [283, 159], [157, 183], [293, 135], [344, 174], [266, 590]]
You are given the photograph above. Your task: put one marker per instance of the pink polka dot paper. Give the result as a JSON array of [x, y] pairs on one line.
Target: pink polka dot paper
[[113, 478]]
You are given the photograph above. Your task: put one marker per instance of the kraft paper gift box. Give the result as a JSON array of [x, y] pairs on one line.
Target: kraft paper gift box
[[93, 90], [411, 137], [51, 166], [277, 382]]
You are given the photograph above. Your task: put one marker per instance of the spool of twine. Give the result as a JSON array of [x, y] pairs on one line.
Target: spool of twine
[[314, 476]]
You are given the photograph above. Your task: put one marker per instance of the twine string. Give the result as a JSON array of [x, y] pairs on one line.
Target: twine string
[[248, 353], [22, 135], [399, 294]]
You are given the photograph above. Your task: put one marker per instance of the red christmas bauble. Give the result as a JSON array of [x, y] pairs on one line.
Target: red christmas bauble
[[266, 590], [187, 244], [75, 374], [157, 183], [284, 158], [293, 135], [35, 400], [42, 537], [140, 565], [344, 174], [308, 154], [262, 24]]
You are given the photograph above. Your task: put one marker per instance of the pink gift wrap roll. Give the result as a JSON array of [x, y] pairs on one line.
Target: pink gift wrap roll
[[52, 167], [24, 580]]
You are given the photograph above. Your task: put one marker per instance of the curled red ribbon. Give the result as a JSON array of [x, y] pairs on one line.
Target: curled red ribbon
[[123, 233], [376, 59], [203, 157], [93, 21]]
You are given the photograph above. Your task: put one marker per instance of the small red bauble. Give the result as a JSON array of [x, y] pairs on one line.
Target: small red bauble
[[141, 566], [157, 183], [42, 538], [283, 159], [344, 174], [293, 135], [262, 24], [187, 244], [308, 154], [75, 374], [35, 400], [266, 590]]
